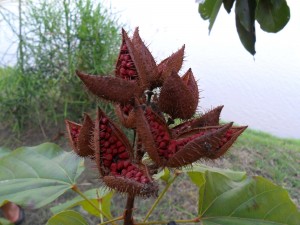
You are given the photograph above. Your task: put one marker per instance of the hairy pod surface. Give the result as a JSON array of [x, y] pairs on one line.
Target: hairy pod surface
[[81, 136], [177, 98], [113, 155], [110, 88]]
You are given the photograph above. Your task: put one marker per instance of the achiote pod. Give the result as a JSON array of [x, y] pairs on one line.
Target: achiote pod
[[179, 96], [110, 88], [210, 118], [81, 136], [114, 156]]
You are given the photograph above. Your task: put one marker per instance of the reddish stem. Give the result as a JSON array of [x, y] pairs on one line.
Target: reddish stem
[[128, 219]]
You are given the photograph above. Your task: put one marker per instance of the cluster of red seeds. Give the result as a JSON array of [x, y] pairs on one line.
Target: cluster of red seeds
[[127, 69], [114, 155], [226, 137], [74, 133], [160, 134]]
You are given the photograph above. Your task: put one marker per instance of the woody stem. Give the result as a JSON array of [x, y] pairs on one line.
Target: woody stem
[[128, 219]]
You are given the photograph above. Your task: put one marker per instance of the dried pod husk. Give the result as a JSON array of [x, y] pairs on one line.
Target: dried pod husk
[[144, 130], [168, 65], [125, 66], [197, 144], [80, 136], [210, 118], [111, 145], [126, 115], [227, 140], [149, 64], [189, 80], [110, 88], [137, 61], [135, 182], [177, 99]]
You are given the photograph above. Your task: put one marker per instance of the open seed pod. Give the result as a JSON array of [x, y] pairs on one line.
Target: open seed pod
[[110, 88], [179, 96], [153, 132], [148, 62], [114, 156], [210, 118], [210, 143], [80, 136], [125, 113]]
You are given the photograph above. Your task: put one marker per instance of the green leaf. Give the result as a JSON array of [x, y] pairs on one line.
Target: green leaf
[[233, 175], [245, 18], [248, 201], [164, 175], [35, 176], [4, 151], [5, 222], [67, 218], [209, 9], [228, 5], [272, 15], [103, 197]]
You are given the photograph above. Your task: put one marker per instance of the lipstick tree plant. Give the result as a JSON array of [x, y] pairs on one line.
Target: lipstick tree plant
[[149, 99]]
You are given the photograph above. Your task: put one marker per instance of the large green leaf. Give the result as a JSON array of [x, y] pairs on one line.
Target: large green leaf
[[101, 196], [4, 151], [245, 18], [209, 9], [35, 176], [272, 15], [248, 201], [67, 218]]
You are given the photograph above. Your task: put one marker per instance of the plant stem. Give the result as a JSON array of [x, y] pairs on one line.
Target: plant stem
[[75, 188], [113, 220], [195, 220], [128, 220], [160, 196]]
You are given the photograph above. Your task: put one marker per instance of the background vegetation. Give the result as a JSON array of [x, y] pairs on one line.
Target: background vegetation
[[54, 38]]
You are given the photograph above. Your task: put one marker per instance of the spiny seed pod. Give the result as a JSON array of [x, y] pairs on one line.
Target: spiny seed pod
[[110, 88], [149, 64], [170, 64], [210, 118], [179, 96], [80, 136], [125, 114], [211, 145], [113, 155]]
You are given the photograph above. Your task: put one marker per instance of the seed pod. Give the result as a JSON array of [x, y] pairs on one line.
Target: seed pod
[[145, 131], [211, 145], [110, 144], [80, 136], [134, 180], [210, 118], [179, 97], [149, 64], [110, 88], [170, 64], [125, 114], [137, 60]]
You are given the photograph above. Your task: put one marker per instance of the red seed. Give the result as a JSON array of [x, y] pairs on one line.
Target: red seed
[[119, 143], [113, 167], [131, 167], [139, 174], [106, 144], [104, 120], [103, 127], [112, 139], [162, 145], [107, 135], [121, 149], [123, 172], [108, 157], [126, 163], [124, 155], [106, 163], [102, 134], [120, 165], [128, 175]]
